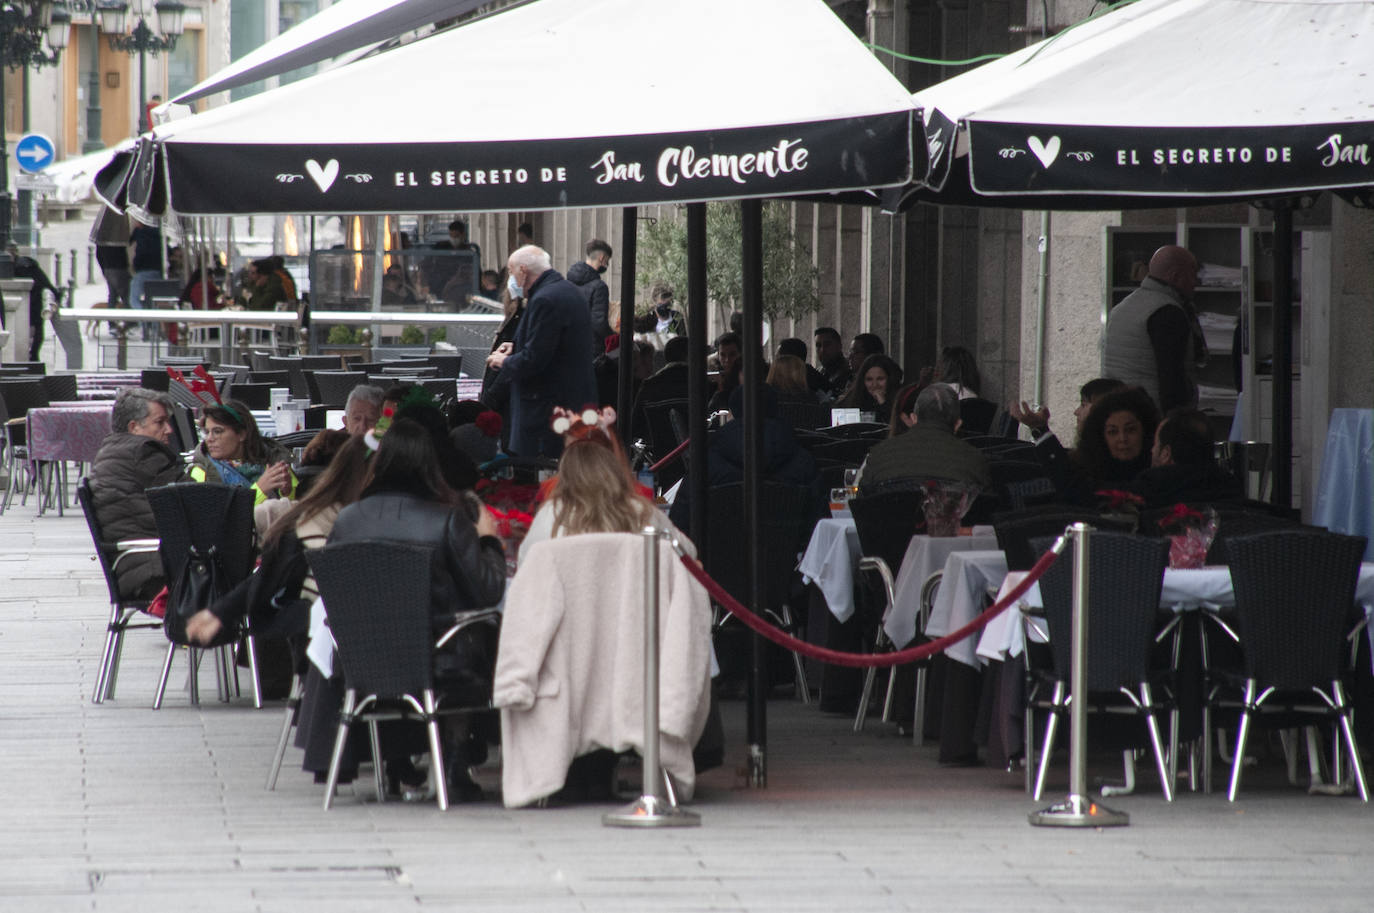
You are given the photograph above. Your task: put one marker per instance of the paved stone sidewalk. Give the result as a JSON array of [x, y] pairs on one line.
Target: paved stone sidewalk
[[118, 807]]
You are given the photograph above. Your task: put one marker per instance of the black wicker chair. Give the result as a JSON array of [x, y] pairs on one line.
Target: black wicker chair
[[212, 519], [1125, 577], [281, 378], [17, 396], [123, 612], [886, 525], [850, 452], [1016, 530], [61, 388], [658, 415], [1018, 484], [378, 601], [255, 395], [334, 386], [783, 514], [803, 415], [1294, 595]]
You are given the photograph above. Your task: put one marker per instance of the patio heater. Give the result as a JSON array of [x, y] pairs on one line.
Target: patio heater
[[139, 37], [31, 35]]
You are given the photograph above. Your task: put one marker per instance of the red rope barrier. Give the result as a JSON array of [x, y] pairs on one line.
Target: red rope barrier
[[670, 457], [864, 660]]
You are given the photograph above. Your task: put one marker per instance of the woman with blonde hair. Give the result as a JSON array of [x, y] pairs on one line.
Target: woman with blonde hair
[[787, 375], [594, 491]]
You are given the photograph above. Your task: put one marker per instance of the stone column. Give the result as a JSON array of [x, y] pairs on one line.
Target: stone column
[[16, 293]]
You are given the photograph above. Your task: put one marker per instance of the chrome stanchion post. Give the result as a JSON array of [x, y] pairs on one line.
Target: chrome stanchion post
[[651, 809], [1077, 809]]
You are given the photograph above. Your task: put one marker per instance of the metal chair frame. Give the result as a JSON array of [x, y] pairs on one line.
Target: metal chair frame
[[122, 611]]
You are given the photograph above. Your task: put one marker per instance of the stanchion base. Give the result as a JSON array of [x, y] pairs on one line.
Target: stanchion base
[[1079, 811], [651, 811]]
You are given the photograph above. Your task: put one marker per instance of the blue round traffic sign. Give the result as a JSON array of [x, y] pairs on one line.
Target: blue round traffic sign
[[34, 152]]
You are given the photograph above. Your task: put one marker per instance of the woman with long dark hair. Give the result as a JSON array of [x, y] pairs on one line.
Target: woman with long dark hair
[[873, 387], [407, 501]]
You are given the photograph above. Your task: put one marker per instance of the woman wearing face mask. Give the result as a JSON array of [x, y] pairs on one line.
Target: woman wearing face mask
[[1115, 444]]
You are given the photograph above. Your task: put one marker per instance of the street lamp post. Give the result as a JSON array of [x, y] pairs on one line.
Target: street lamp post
[[93, 141], [32, 34], [140, 39]]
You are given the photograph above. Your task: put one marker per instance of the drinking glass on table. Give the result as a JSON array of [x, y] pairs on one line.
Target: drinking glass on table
[[851, 481], [839, 499]]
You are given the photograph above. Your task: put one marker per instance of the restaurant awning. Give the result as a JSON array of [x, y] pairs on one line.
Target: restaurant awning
[[1169, 100], [788, 101]]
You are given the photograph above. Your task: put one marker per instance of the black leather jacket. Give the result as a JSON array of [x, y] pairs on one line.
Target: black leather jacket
[[469, 572]]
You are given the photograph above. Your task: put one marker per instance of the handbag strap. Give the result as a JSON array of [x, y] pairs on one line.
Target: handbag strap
[[223, 520]]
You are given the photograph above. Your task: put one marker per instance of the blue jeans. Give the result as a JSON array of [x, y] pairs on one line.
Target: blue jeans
[[136, 291]]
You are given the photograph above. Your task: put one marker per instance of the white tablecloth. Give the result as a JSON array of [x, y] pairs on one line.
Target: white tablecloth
[[924, 556], [831, 558], [1345, 492], [967, 578], [1184, 589]]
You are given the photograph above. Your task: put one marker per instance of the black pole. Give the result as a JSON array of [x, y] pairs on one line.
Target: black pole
[[751, 253], [629, 225], [696, 373], [6, 213], [1282, 447]]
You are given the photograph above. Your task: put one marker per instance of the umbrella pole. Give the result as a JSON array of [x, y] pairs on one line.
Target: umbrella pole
[[1282, 451], [751, 254], [629, 231], [696, 373]]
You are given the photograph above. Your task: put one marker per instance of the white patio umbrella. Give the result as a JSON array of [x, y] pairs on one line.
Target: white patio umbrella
[[335, 30], [785, 100], [1169, 103]]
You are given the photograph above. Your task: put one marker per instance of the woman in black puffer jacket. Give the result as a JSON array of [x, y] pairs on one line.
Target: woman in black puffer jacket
[[408, 502]]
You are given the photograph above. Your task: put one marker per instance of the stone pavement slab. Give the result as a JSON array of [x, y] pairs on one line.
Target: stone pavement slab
[[118, 807]]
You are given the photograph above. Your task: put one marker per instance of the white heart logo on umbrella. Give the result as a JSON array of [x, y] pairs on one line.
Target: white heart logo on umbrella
[[1045, 152], [324, 177]]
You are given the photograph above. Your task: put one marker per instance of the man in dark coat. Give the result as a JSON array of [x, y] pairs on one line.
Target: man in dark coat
[[928, 448], [28, 268], [550, 361], [1182, 468], [586, 275], [134, 457]]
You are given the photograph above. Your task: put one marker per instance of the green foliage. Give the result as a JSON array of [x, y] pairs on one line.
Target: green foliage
[[341, 334], [790, 280], [411, 335], [439, 334]]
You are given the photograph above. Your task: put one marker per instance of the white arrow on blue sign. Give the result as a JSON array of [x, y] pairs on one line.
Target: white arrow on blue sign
[[34, 152]]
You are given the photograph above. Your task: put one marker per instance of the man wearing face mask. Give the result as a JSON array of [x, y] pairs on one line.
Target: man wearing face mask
[[670, 321], [549, 363], [586, 275]]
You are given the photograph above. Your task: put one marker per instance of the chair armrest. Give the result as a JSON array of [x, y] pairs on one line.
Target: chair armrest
[[126, 547], [460, 620], [867, 563], [1354, 638]]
